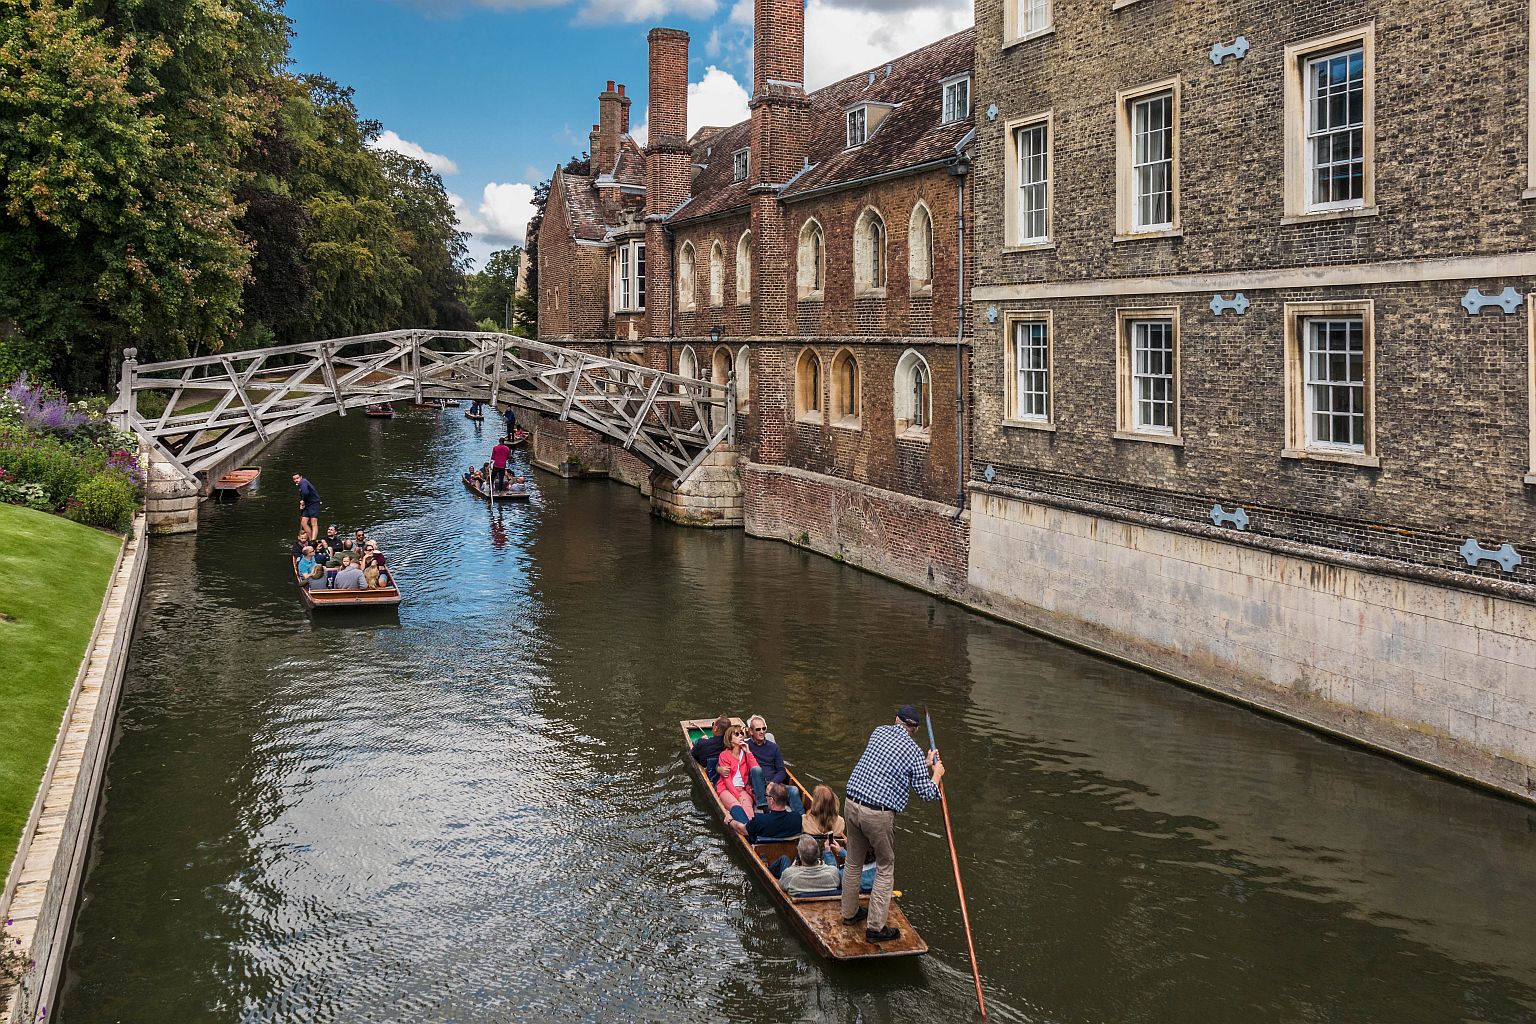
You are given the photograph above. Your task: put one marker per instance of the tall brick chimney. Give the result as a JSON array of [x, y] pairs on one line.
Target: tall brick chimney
[[781, 127], [668, 171], [613, 115], [623, 112]]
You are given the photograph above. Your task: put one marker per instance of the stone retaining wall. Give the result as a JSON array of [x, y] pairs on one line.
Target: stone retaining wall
[[44, 885]]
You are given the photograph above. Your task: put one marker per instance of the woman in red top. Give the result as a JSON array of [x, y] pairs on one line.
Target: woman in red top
[[734, 768]]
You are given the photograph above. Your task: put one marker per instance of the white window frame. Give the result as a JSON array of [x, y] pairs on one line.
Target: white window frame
[[1128, 223], [1013, 384], [1028, 19], [1299, 164], [1312, 134], [910, 427], [1014, 236], [741, 164], [1130, 400], [952, 88], [857, 121], [629, 276], [1299, 439]]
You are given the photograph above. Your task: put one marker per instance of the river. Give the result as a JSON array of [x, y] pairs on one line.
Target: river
[[476, 810]]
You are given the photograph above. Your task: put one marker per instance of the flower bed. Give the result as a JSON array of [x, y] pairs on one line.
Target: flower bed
[[66, 457]]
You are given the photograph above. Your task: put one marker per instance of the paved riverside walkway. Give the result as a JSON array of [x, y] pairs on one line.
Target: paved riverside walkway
[[52, 853]]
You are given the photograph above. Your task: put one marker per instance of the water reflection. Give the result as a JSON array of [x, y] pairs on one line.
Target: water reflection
[[476, 810]]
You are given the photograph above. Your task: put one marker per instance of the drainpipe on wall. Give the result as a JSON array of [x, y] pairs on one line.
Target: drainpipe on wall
[[672, 292], [960, 168]]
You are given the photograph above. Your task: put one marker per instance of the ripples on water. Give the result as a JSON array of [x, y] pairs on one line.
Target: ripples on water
[[477, 810]]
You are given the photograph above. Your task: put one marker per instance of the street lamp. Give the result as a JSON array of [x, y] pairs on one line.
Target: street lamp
[[715, 334]]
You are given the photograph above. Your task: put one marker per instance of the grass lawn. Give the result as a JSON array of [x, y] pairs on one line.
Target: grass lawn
[[53, 575]]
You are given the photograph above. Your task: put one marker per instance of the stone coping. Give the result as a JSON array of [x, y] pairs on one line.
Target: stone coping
[[43, 885]]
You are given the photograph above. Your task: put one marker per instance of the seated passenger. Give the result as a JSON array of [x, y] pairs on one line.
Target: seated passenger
[[359, 539], [333, 537], [350, 577], [770, 760], [734, 769], [706, 750], [777, 822], [298, 546], [811, 871], [308, 568], [822, 820], [373, 565]]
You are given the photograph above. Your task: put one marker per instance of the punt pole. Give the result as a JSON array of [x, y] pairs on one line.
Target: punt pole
[[965, 917]]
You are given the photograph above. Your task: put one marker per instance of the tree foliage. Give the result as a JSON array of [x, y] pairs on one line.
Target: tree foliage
[[166, 184]]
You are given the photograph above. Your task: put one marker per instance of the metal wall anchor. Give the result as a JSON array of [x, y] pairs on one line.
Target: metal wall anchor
[[1474, 302], [1238, 517], [1507, 557], [1237, 49], [1238, 304]]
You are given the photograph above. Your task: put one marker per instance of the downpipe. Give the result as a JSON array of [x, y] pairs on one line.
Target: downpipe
[[960, 168]]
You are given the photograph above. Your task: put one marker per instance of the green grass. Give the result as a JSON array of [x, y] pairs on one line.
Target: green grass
[[53, 575]]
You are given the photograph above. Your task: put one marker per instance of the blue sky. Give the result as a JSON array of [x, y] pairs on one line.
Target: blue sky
[[495, 93]]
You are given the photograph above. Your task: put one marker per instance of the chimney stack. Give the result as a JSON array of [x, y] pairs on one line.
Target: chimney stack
[[623, 112], [613, 112], [778, 46], [668, 171]]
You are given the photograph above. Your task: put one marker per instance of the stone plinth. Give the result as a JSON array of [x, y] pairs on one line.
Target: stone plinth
[[170, 500], [710, 497]]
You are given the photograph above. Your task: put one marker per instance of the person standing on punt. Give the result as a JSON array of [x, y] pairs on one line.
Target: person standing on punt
[[499, 456], [309, 507], [511, 423], [892, 765]]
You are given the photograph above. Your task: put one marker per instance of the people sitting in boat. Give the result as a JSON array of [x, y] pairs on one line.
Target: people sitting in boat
[[308, 568], [771, 762], [322, 552], [734, 774], [359, 541], [298, 546], [822, 819], [812, 870], [776, 821], [350, 577], [333, 537], [373, 566], [706, 750], [475, 475], [519, 485]]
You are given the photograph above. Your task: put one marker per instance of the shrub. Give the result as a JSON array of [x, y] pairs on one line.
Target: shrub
[[43, 409], [60, 468], [30, 495], [107, 499]]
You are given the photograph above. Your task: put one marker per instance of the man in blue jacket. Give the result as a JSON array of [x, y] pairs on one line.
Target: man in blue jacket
[[309, 507], [770, 765]]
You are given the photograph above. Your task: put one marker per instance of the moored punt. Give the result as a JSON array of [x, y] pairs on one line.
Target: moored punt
[[384, 411], [818, 919], [483, 490], [236, 480], [323, 597], [431, 403]]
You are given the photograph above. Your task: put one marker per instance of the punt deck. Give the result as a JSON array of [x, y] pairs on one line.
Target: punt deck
[[383, 597]]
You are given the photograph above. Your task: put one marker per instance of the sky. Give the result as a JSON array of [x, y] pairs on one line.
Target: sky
[[494, 94]]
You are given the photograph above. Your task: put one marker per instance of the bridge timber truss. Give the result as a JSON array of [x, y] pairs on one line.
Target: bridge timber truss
[[669, 421]]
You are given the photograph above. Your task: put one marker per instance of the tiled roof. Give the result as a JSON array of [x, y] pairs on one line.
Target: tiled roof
[[910, 134], [596, 211], [581, 205]]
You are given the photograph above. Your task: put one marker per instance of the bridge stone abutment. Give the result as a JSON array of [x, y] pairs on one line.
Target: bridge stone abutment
[[710, 497], [170, 499]]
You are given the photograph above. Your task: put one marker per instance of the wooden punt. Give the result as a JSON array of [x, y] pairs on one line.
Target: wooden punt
[[454, 402], [385, 411], [470, 414], [818, 919], [383, 597], [237, 480], [432, 403], [520, 439], [483, 491]]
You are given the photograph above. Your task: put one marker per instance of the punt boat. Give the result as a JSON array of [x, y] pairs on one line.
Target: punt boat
[[235, 481], [383, 597], [384, 411], [484, 490], [818, 919], [470, 414], [431, 403]]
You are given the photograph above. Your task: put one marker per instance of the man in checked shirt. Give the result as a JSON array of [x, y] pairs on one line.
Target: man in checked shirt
[[892, 765]]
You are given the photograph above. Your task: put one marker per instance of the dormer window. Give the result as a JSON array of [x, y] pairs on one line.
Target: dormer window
[[858, 126], [740, 161], [957, 99]]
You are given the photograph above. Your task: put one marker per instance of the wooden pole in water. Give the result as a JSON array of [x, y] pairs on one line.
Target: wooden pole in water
[[965, 917]]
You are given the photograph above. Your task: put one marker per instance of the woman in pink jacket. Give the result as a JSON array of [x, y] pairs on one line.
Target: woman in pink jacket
[[734, 769]]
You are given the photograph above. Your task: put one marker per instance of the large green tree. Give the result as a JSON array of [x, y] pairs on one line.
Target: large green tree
[[492, 290]]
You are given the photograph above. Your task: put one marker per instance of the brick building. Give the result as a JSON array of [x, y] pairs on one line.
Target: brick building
[[1231, 417], [822, 239]]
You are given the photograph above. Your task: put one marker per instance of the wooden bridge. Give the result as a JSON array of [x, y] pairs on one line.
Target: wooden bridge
[[671, 422]]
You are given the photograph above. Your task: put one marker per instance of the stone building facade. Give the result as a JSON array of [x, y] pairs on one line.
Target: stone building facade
[[1240, 402]]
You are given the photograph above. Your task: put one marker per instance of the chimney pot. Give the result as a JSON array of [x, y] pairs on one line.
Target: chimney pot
[[621, 88], [610, 85]]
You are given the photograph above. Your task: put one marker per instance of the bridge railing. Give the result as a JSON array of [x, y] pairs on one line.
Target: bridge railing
[[219, 405]]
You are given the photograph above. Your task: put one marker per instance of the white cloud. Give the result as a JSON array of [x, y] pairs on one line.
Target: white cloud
[[717, 99], [502, 216], [388, 140], [841, 41], [603, 11]]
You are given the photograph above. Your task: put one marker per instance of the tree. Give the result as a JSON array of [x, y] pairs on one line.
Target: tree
[[575, 165], [492, 290]]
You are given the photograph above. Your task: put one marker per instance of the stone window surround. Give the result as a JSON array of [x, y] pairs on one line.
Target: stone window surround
[[1011, 241], [1530, 369], [744, 268], [687, 364], [1124, 413], [871, 256], [1295, 380], [1011, 23], [1124, 214], [1297, 204], [743, 380], [1010, 370], [687, 270], [1530, 130], [808, 382], [854, 421], [902, 396], [918, 286], [716, 274], [810, 281]]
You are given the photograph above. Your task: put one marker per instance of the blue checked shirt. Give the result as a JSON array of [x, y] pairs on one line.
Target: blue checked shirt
[[892, 764]]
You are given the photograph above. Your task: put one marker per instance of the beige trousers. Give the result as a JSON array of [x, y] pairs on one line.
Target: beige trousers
[[869, 830]]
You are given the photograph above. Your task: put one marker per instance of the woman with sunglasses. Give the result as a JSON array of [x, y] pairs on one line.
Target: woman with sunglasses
[[735, 771]]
